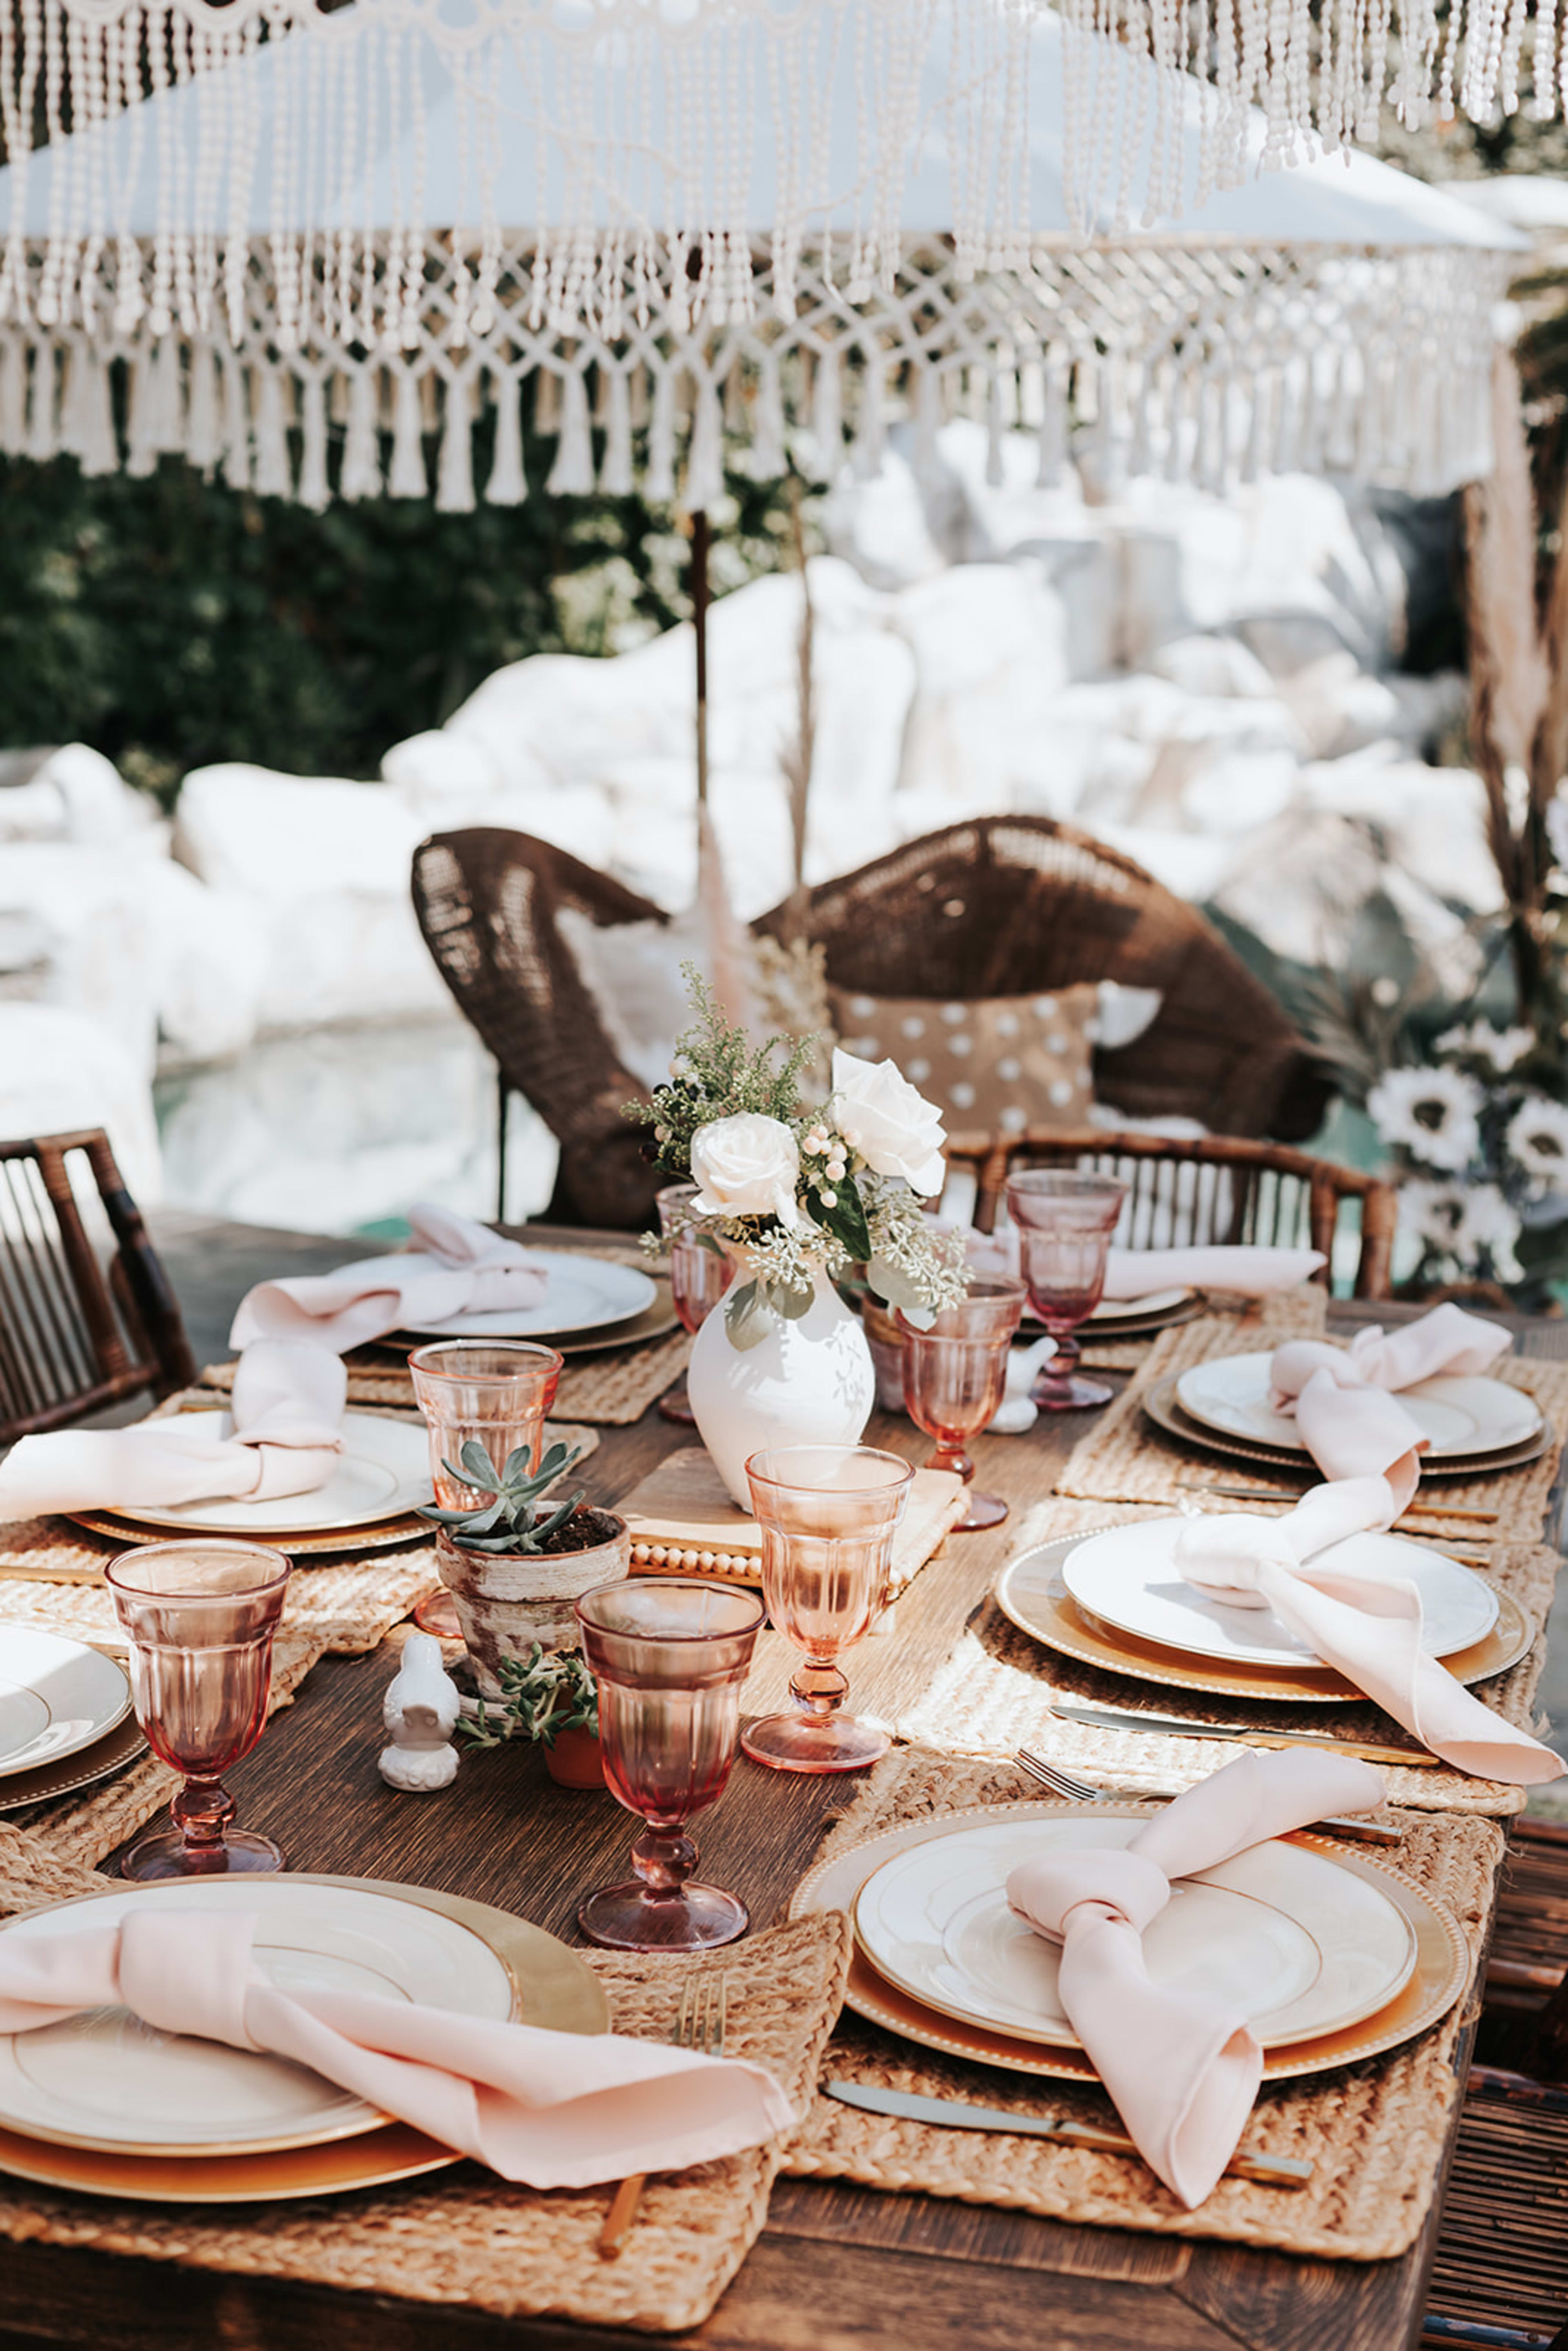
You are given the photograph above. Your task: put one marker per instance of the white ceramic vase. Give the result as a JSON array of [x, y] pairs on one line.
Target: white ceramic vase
[[806, 1382]]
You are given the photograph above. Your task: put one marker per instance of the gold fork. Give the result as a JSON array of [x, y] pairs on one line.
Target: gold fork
[[699, 2024]]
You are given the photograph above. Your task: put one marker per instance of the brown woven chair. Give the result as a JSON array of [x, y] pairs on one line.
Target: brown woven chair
[[1003, 906], [72, 1338], [1238, 1190], [487, 902]]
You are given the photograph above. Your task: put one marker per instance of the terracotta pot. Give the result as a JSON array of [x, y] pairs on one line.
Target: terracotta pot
[[576, 1760], [506, 1601]]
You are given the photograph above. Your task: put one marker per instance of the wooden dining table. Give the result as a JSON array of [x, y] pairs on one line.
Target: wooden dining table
[[837, 2268]]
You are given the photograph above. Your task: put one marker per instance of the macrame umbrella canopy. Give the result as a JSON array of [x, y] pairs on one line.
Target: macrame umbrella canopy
[[714, 217]]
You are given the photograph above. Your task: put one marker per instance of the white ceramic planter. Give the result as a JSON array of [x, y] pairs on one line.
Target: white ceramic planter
[[807, 1383], [506, 1601]]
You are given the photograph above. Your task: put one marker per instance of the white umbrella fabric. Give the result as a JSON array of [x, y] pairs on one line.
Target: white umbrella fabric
[[370, 221]]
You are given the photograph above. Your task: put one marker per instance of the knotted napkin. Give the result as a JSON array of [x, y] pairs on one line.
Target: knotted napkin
[[1340, 1396], [287, 1412], [550, 2109], [1367, 1628], [1181, 2069], [452, 1266]]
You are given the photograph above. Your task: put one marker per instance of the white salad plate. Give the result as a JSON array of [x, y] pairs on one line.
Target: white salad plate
[[56, 1697], [383, 1471], [1155, 1301], [1128, 1577], [1296, 1945], [103, 2079], [1469, 1415], [581, 1293]]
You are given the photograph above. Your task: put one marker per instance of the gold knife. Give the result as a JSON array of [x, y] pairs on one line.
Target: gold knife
[[953, 2114], [1178, 1726]]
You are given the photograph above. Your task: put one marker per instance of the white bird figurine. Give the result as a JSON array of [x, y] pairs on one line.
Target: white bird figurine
[[1015, 1415], [419, 1710]]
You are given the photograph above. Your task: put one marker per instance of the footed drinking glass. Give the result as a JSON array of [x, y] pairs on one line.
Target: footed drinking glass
[[496, 1392], [955, 1375], [828, 1514], [201, 1617], [669, 1654], [699, 1276], [1064, 1222]]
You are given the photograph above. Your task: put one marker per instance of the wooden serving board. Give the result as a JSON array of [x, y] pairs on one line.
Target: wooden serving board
[[683, 1520]]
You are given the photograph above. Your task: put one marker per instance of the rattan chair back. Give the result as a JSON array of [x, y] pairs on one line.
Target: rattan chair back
[[1004, 906], [1222, 1188], [74, 1336], [487, 902]]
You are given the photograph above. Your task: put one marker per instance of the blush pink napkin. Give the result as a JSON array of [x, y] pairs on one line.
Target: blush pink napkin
[[452, 1266], [1249, 1272], [1182, 2070], [551, 2110], [1340, 1396], [1367, 1629], [287, 1409]]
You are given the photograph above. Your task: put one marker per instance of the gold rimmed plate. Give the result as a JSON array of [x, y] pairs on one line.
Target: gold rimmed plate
[[404, 1530], [1163, 1407], [393, 2152], [1031, 1593], [654, 1321], [110, 1754], [1440, 1973]]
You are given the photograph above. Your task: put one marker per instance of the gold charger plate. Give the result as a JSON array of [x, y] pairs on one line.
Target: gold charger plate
[[1052, 1615], [1161, 1406], [107, 1755], [1442, 1961], [394, 2151], [323, 1543], [552, 1986], [655, 1320]]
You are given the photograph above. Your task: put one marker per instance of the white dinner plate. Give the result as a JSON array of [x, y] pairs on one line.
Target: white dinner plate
[[581, 1293], [56, 1698], [1470, 1415], [1296, 1945], [104, 2079], [1156, 1301], [1128, 1577], [383, 1471]]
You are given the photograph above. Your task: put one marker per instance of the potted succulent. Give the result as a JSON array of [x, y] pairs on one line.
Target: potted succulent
[[515, 1565], [548, 1696]]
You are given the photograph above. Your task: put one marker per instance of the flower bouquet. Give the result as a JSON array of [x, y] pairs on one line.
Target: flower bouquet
[[799, 1197], [796, 1193]]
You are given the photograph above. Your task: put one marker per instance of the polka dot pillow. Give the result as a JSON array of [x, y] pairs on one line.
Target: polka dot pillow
[[993, 1066]]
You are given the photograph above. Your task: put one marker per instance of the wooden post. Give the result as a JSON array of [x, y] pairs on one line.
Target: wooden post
[[699, 621]]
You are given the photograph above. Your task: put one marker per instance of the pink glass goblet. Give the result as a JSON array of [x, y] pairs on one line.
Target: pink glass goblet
[[1064, 1222], [828, 1515], [699, 1276], [494, 1392], [669, 1654], [955, 1375], [201, 1617]]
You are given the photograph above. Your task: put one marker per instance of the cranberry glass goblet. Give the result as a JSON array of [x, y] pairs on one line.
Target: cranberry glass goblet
[[201, 1617], [669, 1654], [954, 1375], [1064, 1222], [699, 1276], [493, 1392], [828, 1515]]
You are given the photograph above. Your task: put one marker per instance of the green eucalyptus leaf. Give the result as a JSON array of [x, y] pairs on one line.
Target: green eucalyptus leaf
[[846, 1220], [793, 1304], [897, 1289]]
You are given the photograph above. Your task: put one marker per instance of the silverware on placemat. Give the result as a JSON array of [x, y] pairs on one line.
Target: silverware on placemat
[[1079, 1791], [1251, 1734], [699, 2024], [952, 2113]]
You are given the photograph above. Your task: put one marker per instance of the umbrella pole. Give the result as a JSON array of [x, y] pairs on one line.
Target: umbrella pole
[[699, 621]]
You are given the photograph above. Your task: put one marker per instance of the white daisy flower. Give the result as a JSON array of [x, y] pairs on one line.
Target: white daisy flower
[[1503, 1047], [1463, 1223], [1433, 1112], [1537, 1139]]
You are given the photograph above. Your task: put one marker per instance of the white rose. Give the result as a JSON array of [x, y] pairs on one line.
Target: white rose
[[745, 1166], [896, 1130]]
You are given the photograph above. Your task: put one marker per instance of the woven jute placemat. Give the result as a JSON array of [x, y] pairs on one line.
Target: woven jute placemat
[[1124, 1459], [464, 2237], [996, 1690], [1373, 2132], [612, 1391]]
